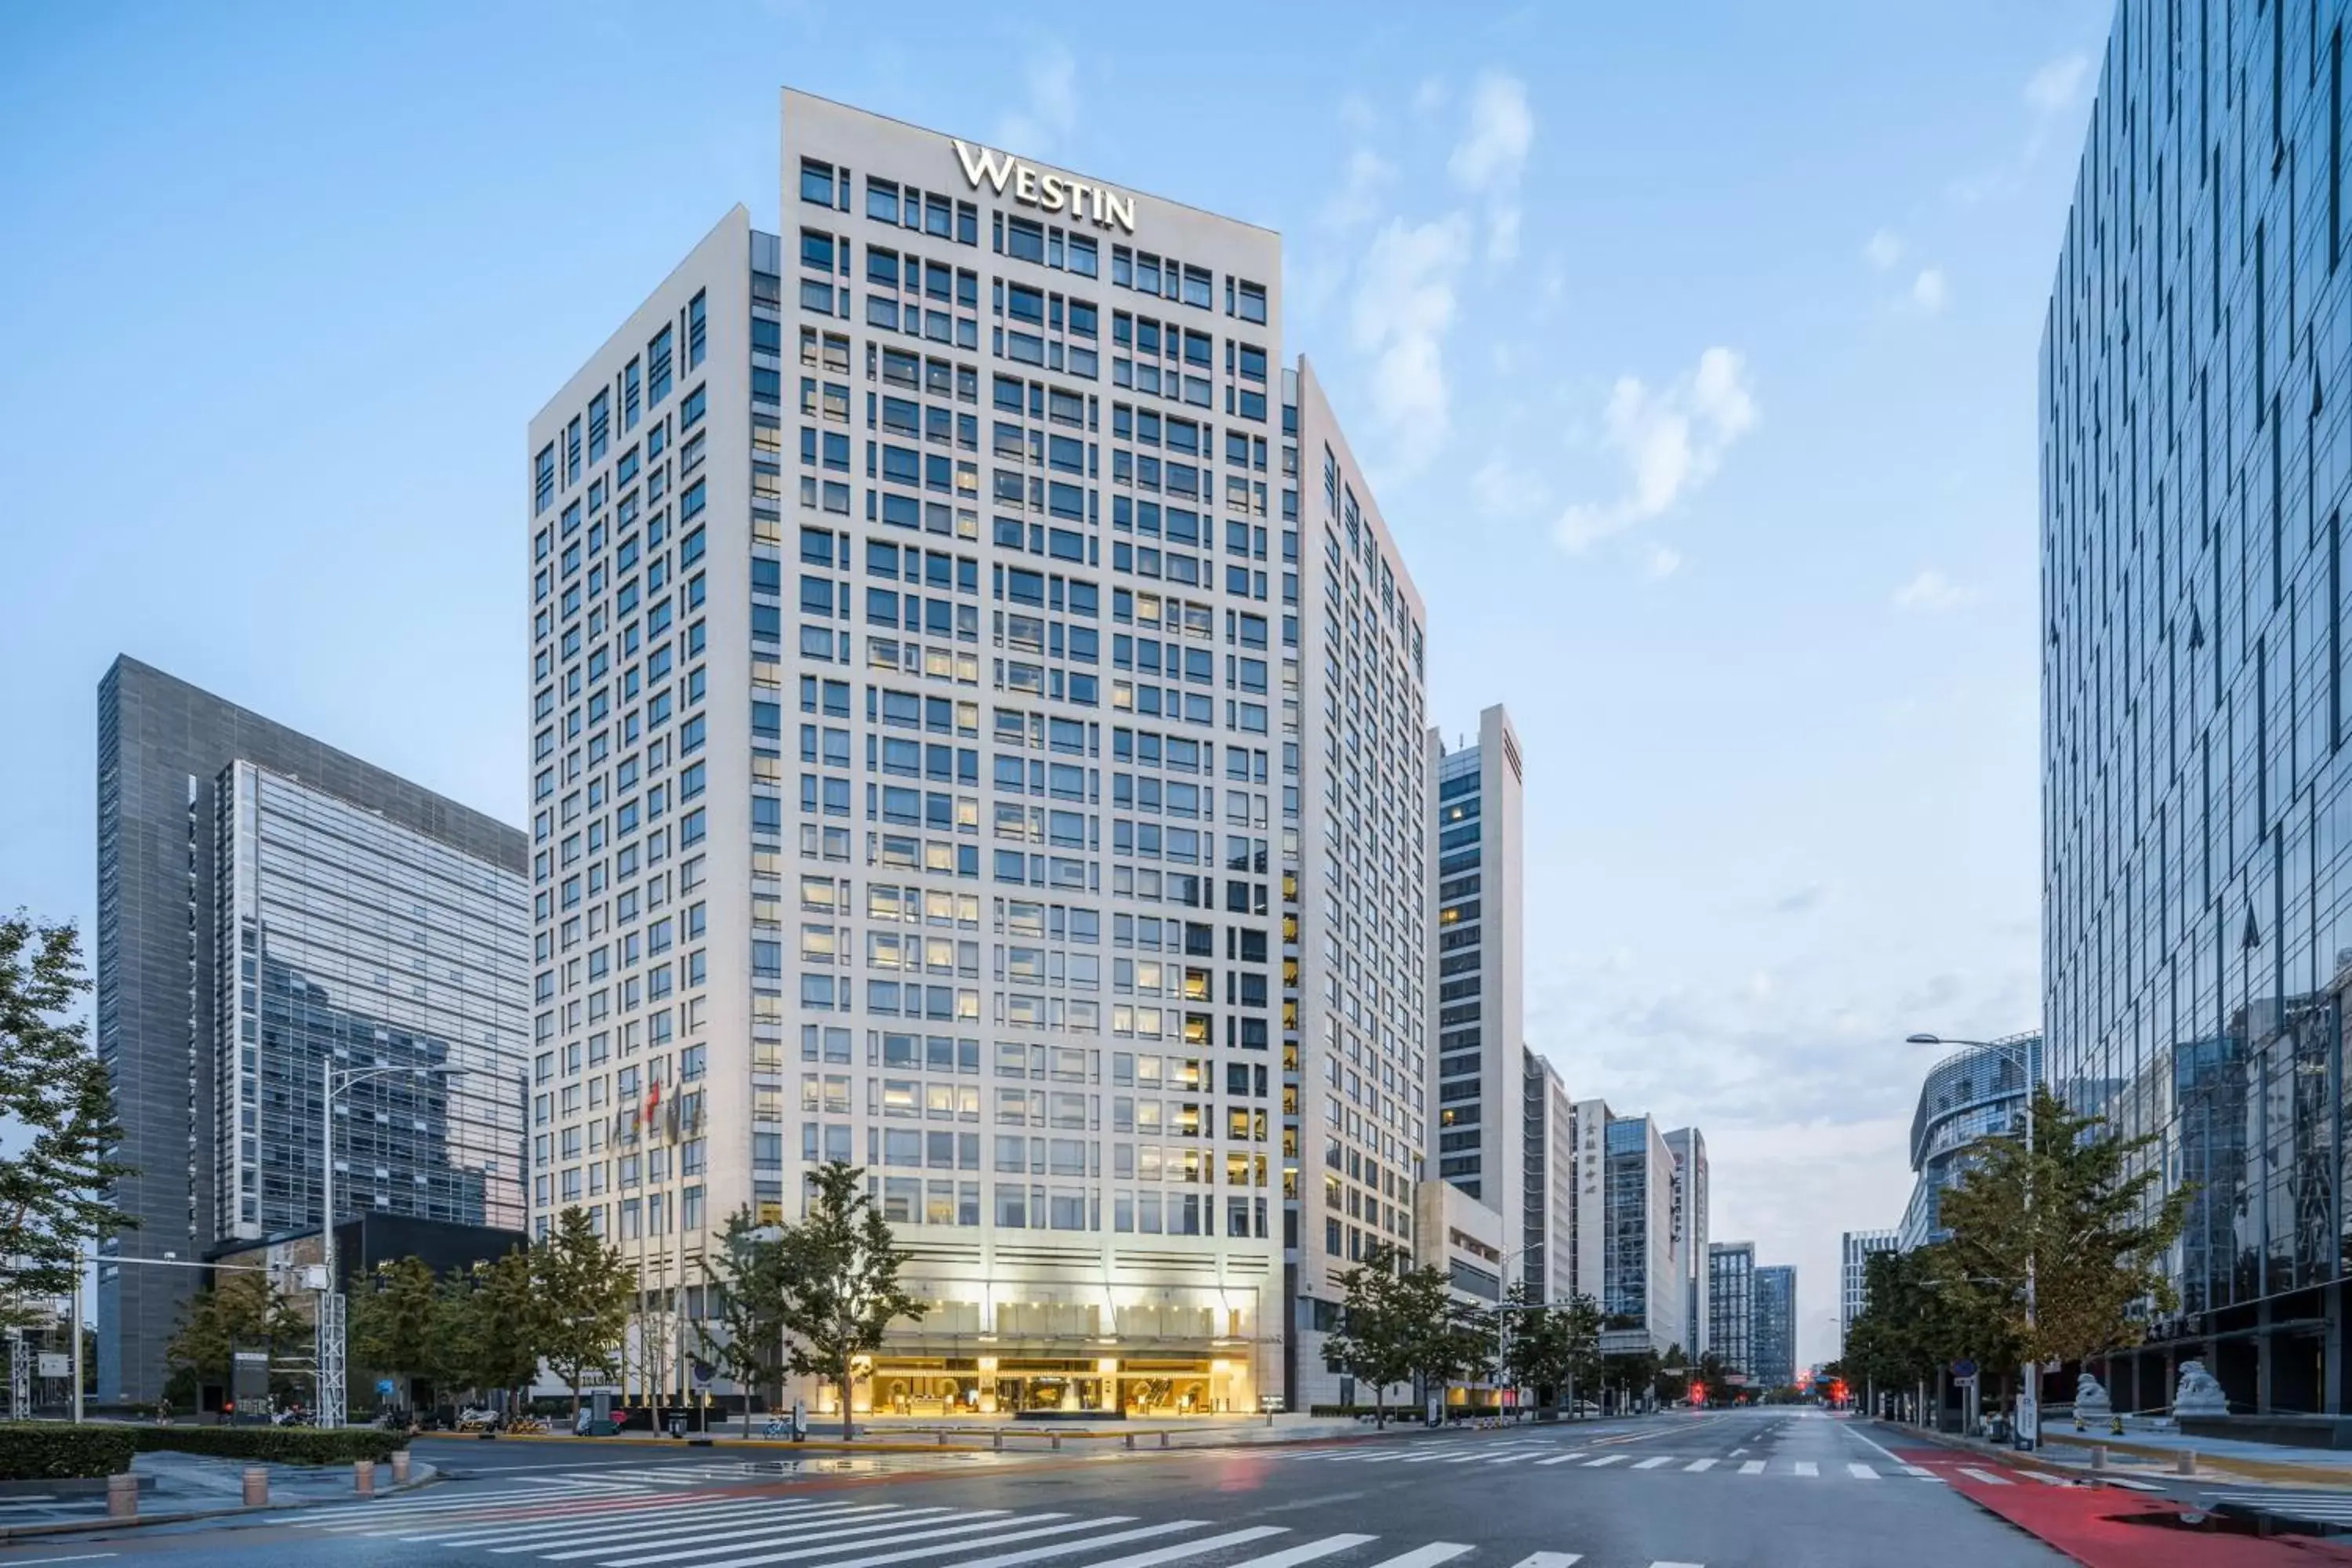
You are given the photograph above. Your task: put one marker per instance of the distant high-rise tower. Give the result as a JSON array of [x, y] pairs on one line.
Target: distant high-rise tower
[[1481, 1056], [267, 904]]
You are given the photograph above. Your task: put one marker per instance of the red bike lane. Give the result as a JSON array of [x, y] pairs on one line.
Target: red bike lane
[[2112, 1527]]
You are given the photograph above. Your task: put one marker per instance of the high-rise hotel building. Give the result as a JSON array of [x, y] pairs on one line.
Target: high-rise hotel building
[[976, 735], [2196, 450]]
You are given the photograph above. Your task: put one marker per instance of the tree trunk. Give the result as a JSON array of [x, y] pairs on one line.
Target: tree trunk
[[848, 1430], [1379, 1409]]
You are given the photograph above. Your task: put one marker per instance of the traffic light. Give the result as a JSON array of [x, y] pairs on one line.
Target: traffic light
[[1697, 1395]]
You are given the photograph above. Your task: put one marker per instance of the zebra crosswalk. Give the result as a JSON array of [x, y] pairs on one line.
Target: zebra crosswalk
[[603, 1520], [1548, 1455]]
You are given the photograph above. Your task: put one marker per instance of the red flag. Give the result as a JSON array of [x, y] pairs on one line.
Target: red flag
[[653, 1101]]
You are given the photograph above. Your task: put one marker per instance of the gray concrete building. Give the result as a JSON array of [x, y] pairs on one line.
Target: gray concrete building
[[265, 901], [1688, 1146], [1854, 1248], [1548, 1169], [1481, 1056]]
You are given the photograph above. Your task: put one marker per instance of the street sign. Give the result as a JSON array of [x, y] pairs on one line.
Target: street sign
[[383, 1385], [1964, 1367], [56, 1363]]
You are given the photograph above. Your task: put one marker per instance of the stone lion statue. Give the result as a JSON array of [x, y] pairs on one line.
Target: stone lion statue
[[2090, 1397], [2197, 1393]]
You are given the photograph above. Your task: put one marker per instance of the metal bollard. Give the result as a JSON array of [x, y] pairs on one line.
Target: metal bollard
[[1131, 1442], [1163, 1439], [997, 1441], [1057, 1442], [2098, 1458], [400, 1467], [123, 1497], [257, 1486], [943, 1440], [2184, 1463], [364, 1476]]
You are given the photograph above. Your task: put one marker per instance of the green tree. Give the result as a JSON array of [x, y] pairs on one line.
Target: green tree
[[1374, 1342], [239, 1309], [584, 1291], [746, 1281], [1632, 1372], [394, 1324], [840, 1268], [56, 1181], [1555, 1347], [2093, 1230], [487, 1325], [1672, 1379], [1909, 1327]]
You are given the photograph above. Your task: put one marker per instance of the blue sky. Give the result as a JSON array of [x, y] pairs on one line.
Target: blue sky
[[1694, 348]]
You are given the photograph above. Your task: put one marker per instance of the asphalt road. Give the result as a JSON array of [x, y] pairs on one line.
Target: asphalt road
[[1732, 1489]]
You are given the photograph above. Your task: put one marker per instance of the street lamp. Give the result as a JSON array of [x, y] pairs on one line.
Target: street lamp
[[333, 1082], [2030, 1429]]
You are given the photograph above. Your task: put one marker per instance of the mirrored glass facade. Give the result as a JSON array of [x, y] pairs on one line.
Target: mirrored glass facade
[[344, 937], [2197, 791]]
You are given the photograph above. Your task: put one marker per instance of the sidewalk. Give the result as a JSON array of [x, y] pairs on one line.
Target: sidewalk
[[193, 1486], [2265, 1462]]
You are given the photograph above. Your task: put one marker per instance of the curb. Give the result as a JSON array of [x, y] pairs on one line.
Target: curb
[[105, 1525]]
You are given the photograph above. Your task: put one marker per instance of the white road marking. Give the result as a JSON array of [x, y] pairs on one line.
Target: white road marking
[[1063, 1549], [1188, 1548], [1654, 1464], [1306, 1552], [1987, 1477], [561, 1530], [1563, 1459], [1921, 1471], [1861, 1472], [737, 1517], [1550, 1559], [2049, 1481], [1699, 1466], [93, 1556], [1428, 1556], [1606, 1460], [933, 1551], [754, 1532], [1751, 1467], [1807, 1468]]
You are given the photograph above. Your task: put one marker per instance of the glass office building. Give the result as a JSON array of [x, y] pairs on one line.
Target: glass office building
[[1731, 1307], [1772, 1338], [266, 904], [1974, 1093], [977, 734], [2197, 788], [344, 936]]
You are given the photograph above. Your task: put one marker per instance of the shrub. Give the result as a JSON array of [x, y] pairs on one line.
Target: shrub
[[60, 1451], [275, 1445]]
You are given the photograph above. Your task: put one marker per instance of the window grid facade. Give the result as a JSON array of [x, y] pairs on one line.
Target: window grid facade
[[949, 775]]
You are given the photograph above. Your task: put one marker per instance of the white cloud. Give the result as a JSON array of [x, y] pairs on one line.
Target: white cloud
[[1662, 562], [1502, 489], [1042, 126], [1358, 199], [2052, 88], [1493, 155], [1430, 96], [1882, 249], [1671, 439], [1406, 294], [1928, 290], [1929, 592]]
